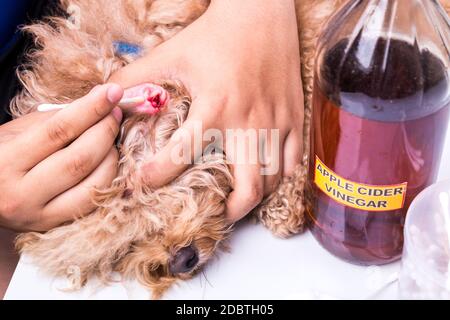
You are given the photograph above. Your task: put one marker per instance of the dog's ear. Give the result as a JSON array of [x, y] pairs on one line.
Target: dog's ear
[[147, 262], [161, 288]]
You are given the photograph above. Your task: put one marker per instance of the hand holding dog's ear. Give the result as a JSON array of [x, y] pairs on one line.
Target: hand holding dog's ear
[[240, 62], [50, 161]]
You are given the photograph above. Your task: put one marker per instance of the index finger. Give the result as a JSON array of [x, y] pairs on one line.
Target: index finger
[[184, 147], [173, 159], [68, 124]]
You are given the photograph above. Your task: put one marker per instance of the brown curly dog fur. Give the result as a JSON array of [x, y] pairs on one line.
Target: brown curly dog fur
[[138, 231]]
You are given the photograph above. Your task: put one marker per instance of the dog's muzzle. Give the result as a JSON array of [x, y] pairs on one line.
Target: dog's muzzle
[[185, 260]]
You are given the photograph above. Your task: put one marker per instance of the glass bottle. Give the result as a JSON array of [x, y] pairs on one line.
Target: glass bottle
[[380, 114]]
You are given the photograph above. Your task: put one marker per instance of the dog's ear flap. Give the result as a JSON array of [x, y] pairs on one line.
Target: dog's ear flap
[[148, 263], [159, 290]]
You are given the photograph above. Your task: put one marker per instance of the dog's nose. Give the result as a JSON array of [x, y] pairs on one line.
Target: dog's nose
[[185, 260]]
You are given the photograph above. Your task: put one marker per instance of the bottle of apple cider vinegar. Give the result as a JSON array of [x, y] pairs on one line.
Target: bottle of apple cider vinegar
[[380, 115]]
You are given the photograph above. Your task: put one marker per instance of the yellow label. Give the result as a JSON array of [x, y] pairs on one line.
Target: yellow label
[[358, 195]]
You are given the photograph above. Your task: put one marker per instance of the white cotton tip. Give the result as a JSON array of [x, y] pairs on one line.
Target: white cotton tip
[[50, 107], [132, 102]]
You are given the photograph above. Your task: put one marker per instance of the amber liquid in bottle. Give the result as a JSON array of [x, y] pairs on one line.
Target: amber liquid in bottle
[[376, 136]]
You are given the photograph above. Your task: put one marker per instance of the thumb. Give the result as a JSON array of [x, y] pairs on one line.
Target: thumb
[[153, 67]]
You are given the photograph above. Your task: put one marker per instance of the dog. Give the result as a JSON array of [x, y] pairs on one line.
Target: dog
[[175, 230]]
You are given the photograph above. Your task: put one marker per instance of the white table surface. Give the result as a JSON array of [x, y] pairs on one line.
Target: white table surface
[[260, 266]]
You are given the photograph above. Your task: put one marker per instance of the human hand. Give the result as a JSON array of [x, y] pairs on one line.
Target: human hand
[[240, 62], [50, 161]]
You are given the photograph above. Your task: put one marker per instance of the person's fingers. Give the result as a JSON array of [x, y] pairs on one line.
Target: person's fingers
[[77, 202], [12, 129], [68, 124], [184, 147], [271, 183], [293, 152], [180, 152], [67, 167], [23, 123], [248, 191], [272, 161], [272, 173]]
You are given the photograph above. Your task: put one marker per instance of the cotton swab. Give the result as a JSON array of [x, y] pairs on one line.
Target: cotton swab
[[146, 98], [124, 103]]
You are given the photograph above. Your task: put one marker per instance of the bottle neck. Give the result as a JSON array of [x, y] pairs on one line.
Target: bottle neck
[[387, 13]]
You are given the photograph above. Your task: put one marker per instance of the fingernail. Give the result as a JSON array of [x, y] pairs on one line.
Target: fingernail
[[117, 114], [114, 94]]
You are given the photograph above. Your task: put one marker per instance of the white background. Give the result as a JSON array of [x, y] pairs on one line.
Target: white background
[[260, 266]]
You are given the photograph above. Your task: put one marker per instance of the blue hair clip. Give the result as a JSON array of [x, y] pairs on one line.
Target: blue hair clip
[[124, 48]]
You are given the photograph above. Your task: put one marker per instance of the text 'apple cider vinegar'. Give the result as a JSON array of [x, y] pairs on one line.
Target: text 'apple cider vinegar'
[[380, 115]]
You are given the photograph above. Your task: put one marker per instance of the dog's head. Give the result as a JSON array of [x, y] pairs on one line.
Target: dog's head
[[155, 235], [172, 231]]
